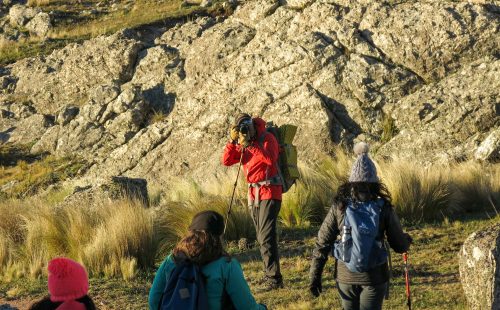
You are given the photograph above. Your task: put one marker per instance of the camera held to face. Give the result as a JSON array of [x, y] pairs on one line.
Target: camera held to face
[[246, 127]]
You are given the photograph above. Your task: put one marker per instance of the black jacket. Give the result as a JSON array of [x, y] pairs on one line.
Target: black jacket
[[389, 227]]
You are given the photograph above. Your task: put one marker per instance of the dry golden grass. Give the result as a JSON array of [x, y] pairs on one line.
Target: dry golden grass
[[38, 2], [417, 193], [113, 239], [142, 12], [26, 179]]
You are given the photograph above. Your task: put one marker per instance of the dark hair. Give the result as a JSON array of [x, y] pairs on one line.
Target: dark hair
[[348, 189], [47, 304], [200, 247]]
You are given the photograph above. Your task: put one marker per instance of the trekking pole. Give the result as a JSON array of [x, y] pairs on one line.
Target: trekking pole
[[407, 281], [234, 190], [389, 258]]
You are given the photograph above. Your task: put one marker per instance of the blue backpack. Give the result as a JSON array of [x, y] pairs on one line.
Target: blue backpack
[[185, 289], [358, 247]]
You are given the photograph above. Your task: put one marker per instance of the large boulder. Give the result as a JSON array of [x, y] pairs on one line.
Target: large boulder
[[20, 15], [40, 24], [480, 269]]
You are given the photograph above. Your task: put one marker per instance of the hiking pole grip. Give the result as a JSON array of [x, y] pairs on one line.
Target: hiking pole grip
[[234, 190], [407, 281]]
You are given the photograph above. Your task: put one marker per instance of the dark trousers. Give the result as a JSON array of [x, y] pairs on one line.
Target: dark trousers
[[265, 218], [362, 297]]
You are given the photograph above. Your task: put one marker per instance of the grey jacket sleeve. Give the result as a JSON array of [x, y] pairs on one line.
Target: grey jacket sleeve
[[398, 240], [326, 237]]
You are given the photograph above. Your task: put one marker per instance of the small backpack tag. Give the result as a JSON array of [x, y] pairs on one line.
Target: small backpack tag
[[184, 292]]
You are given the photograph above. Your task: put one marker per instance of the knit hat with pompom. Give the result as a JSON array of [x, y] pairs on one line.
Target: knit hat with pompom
[[68, 280], [363, 169]]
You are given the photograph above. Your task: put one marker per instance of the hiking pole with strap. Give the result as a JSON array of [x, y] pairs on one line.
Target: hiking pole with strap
[[234, 190], [389, 258], [407, 281]]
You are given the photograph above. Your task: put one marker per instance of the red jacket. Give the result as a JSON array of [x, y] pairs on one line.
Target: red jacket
[[259, 163]]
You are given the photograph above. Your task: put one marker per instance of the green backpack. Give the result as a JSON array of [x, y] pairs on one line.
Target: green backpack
[[287, 160]]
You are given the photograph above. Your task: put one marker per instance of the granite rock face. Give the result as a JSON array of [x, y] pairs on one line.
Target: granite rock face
[[480, 269], [338, 69]]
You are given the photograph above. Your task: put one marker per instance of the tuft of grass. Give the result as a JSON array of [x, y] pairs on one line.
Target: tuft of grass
[[157, 116], [474, 186], [417, 193], [389, 129]]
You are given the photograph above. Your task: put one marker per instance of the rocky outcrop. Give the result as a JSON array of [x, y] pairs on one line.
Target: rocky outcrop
[[38, 23], [480, 269], [114, 188], [67, 76], [337, 69], [20, 15]]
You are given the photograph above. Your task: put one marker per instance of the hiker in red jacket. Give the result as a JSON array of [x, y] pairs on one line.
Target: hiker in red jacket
[[260, 164]]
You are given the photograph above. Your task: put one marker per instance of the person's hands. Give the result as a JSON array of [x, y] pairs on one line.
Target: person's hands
[[315, 288], [234, 134], [244, 140]]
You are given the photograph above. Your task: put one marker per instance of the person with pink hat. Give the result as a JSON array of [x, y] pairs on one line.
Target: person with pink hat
[[68, 287]]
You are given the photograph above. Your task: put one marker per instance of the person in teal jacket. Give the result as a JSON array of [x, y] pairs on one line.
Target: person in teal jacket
[[226, 287]]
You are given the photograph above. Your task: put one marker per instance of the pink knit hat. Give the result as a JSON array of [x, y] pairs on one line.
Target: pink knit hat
[[68, 280]]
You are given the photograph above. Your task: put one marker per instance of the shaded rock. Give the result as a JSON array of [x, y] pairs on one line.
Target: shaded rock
[[66, 115], [479, 261], [114, 188], [99, 127], [7, 83]]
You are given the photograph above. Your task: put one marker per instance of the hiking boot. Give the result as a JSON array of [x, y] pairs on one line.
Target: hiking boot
[[272, 284]]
